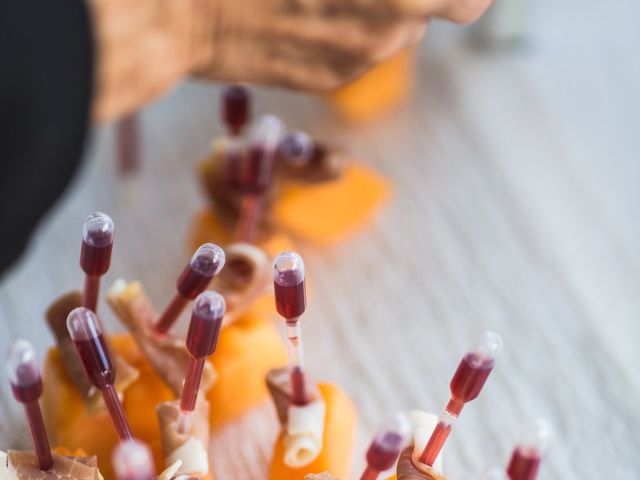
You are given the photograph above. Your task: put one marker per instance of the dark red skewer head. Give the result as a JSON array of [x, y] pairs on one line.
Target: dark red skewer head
[[206, 321], [289, 285], [26, 384], [531, 448], [296, 148], [86, 332], [23, 371], [205, 264], [473, 370], [252, 172], [97, 242], [392, 436], [236, 108], [133, 460]]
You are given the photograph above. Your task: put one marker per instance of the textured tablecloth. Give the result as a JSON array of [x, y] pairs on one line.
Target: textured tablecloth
[[515, 208]]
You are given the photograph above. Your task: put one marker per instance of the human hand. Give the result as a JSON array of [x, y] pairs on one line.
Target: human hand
[[319, 44], [146, 46]]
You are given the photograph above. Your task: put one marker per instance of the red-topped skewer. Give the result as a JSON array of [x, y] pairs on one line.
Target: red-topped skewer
[[291, 302], [128, 144], [85, 331], [466, 384], [206, 263], [251, 174], [235, 113], [391, 437], [133, 460], [202, 338], [529, 451], [235, 108], [296, 148], [26, 384], [95, 255]]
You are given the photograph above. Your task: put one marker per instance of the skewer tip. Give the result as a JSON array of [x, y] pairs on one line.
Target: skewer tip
[[132, 460]]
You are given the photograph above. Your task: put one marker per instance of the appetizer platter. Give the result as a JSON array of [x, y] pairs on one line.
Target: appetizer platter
[[149, 403]]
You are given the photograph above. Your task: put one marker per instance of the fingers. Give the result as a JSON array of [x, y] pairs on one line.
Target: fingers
[[463, 11], [459, 11], [324, 56], [320, 44]]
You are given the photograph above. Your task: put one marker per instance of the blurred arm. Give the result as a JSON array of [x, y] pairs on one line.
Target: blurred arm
[[146, 46]]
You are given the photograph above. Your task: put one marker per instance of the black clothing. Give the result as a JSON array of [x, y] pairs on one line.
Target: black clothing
[[46, 80]]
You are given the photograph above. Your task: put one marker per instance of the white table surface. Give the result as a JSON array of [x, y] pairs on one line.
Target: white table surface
[[515, 208]]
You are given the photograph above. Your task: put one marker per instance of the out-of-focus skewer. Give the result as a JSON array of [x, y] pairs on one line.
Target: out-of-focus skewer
[[95, 255]]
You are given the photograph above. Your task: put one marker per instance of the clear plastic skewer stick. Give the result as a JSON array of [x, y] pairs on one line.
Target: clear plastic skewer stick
[[202, 338], [291, 302], [466, 384], [86, 332], [529, 451], [95, 255], [255, 172], [133, 460], [392, 436], [26, 384], [128, 144], [206, 263]]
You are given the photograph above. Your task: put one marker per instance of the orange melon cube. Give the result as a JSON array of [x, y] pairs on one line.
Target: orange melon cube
[[337, 444], [325, 213], [207, 227], [247, 350], [382, 88]]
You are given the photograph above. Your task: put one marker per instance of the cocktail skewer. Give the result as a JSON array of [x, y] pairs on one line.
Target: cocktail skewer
[[202, 338], [95, 255], [466, 384], [253, 172], [291, 302], [235, 109], [26, 384], [391, 437], [206, 263], [86, 332], [528, 453]]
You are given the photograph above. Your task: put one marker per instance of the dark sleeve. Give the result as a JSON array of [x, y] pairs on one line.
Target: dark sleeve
[[46, 80]]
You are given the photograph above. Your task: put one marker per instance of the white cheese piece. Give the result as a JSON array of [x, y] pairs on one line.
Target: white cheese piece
[[118, 286], [171, 471], [7, 472], [304, 434], [423, 425], [194, 458]]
